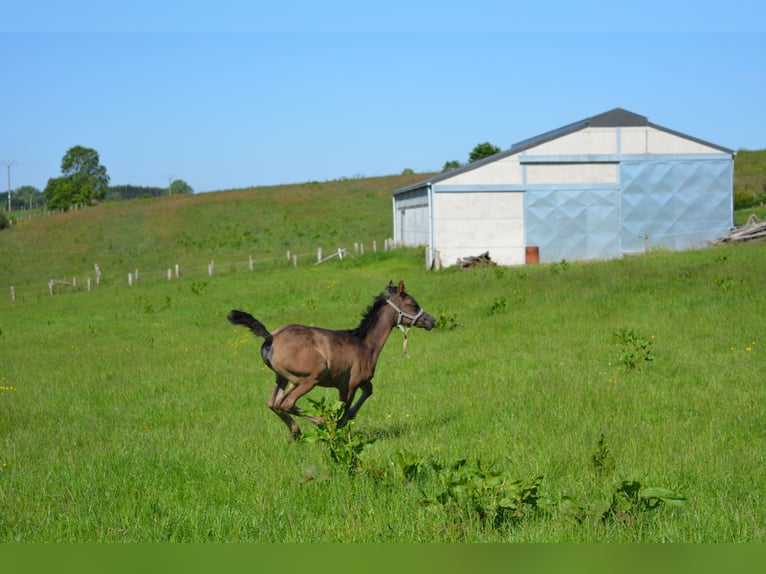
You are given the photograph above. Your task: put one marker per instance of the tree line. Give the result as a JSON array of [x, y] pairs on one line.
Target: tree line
[[83, 181]]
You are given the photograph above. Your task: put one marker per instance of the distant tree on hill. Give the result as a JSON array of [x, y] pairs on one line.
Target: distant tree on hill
[[27, 197], [83, 180], [481, 151], [127, 191], [118, 192], [179, 186], [3, 220], [454, 164]]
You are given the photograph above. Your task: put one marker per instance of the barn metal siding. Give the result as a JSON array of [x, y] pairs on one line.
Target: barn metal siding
[[573, 223], [675, 204]]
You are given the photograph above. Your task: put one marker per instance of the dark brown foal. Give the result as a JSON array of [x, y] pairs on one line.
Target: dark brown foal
[[303, 357]]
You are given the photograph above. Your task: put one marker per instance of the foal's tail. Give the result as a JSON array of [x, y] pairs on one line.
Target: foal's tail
[[247, 320]]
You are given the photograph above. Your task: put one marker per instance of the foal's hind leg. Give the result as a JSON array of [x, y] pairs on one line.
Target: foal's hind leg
[[276, 397], [283, 401]]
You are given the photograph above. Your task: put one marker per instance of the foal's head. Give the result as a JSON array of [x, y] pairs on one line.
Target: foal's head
[[409, 313]]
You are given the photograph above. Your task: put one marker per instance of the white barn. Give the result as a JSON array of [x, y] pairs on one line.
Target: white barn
[[609, 185]]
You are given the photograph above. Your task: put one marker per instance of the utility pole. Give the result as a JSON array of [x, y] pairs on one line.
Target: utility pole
[[9, 163]]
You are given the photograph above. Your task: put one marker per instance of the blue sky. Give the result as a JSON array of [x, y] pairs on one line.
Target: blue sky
[[231, 94]]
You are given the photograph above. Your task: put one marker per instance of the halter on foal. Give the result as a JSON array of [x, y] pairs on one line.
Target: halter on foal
[[303, 357]]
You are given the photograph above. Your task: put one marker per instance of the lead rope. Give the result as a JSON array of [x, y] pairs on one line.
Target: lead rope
[[406, 331], [413, 319]]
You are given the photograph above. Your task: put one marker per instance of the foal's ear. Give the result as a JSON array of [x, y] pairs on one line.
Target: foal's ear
[[391, 288], [400, 288]]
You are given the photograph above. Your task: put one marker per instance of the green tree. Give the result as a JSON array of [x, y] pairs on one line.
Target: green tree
[[454, 164], [481, 151], [179, 186], [58, 193], [83, 180], [3, 220], [27, 197]]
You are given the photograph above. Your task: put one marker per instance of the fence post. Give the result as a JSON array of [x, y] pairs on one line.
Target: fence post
[[88, 284], [210, 268], [50, 287], [178, 271], [130, 280], [13, 294], [170, 274], [250, 263], [295, 260], [319, 254]]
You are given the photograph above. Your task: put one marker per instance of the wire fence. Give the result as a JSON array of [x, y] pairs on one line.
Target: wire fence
[[176, 271]]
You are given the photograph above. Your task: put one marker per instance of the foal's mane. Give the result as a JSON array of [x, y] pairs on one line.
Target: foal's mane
[[370, 316]]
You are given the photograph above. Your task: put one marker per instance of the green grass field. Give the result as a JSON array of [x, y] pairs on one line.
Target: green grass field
[[139, 413]]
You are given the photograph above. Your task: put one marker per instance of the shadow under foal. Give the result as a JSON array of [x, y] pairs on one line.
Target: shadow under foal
[[303, 357]]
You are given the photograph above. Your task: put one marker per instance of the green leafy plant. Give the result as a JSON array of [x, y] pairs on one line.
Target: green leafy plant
[[635, 350], [198, 287], [344, 446], [478, 489], [499, 305], [446, 321], [631, 499], [726, 284], [602, 457], [412, 465], [146, 304], [560, 267]]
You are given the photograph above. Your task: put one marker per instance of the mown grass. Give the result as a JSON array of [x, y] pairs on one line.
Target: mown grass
[[138, 414]]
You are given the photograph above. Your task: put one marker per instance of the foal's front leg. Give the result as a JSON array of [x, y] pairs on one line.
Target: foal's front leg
[[350, 413]]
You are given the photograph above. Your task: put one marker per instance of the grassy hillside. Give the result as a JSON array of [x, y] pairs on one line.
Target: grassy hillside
[[154, 234], [749, 178], [230, 226]]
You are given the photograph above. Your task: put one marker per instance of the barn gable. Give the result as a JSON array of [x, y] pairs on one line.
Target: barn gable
[[599, 188]]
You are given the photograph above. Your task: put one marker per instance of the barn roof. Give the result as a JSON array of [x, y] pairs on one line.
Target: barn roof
[[617, 117]]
